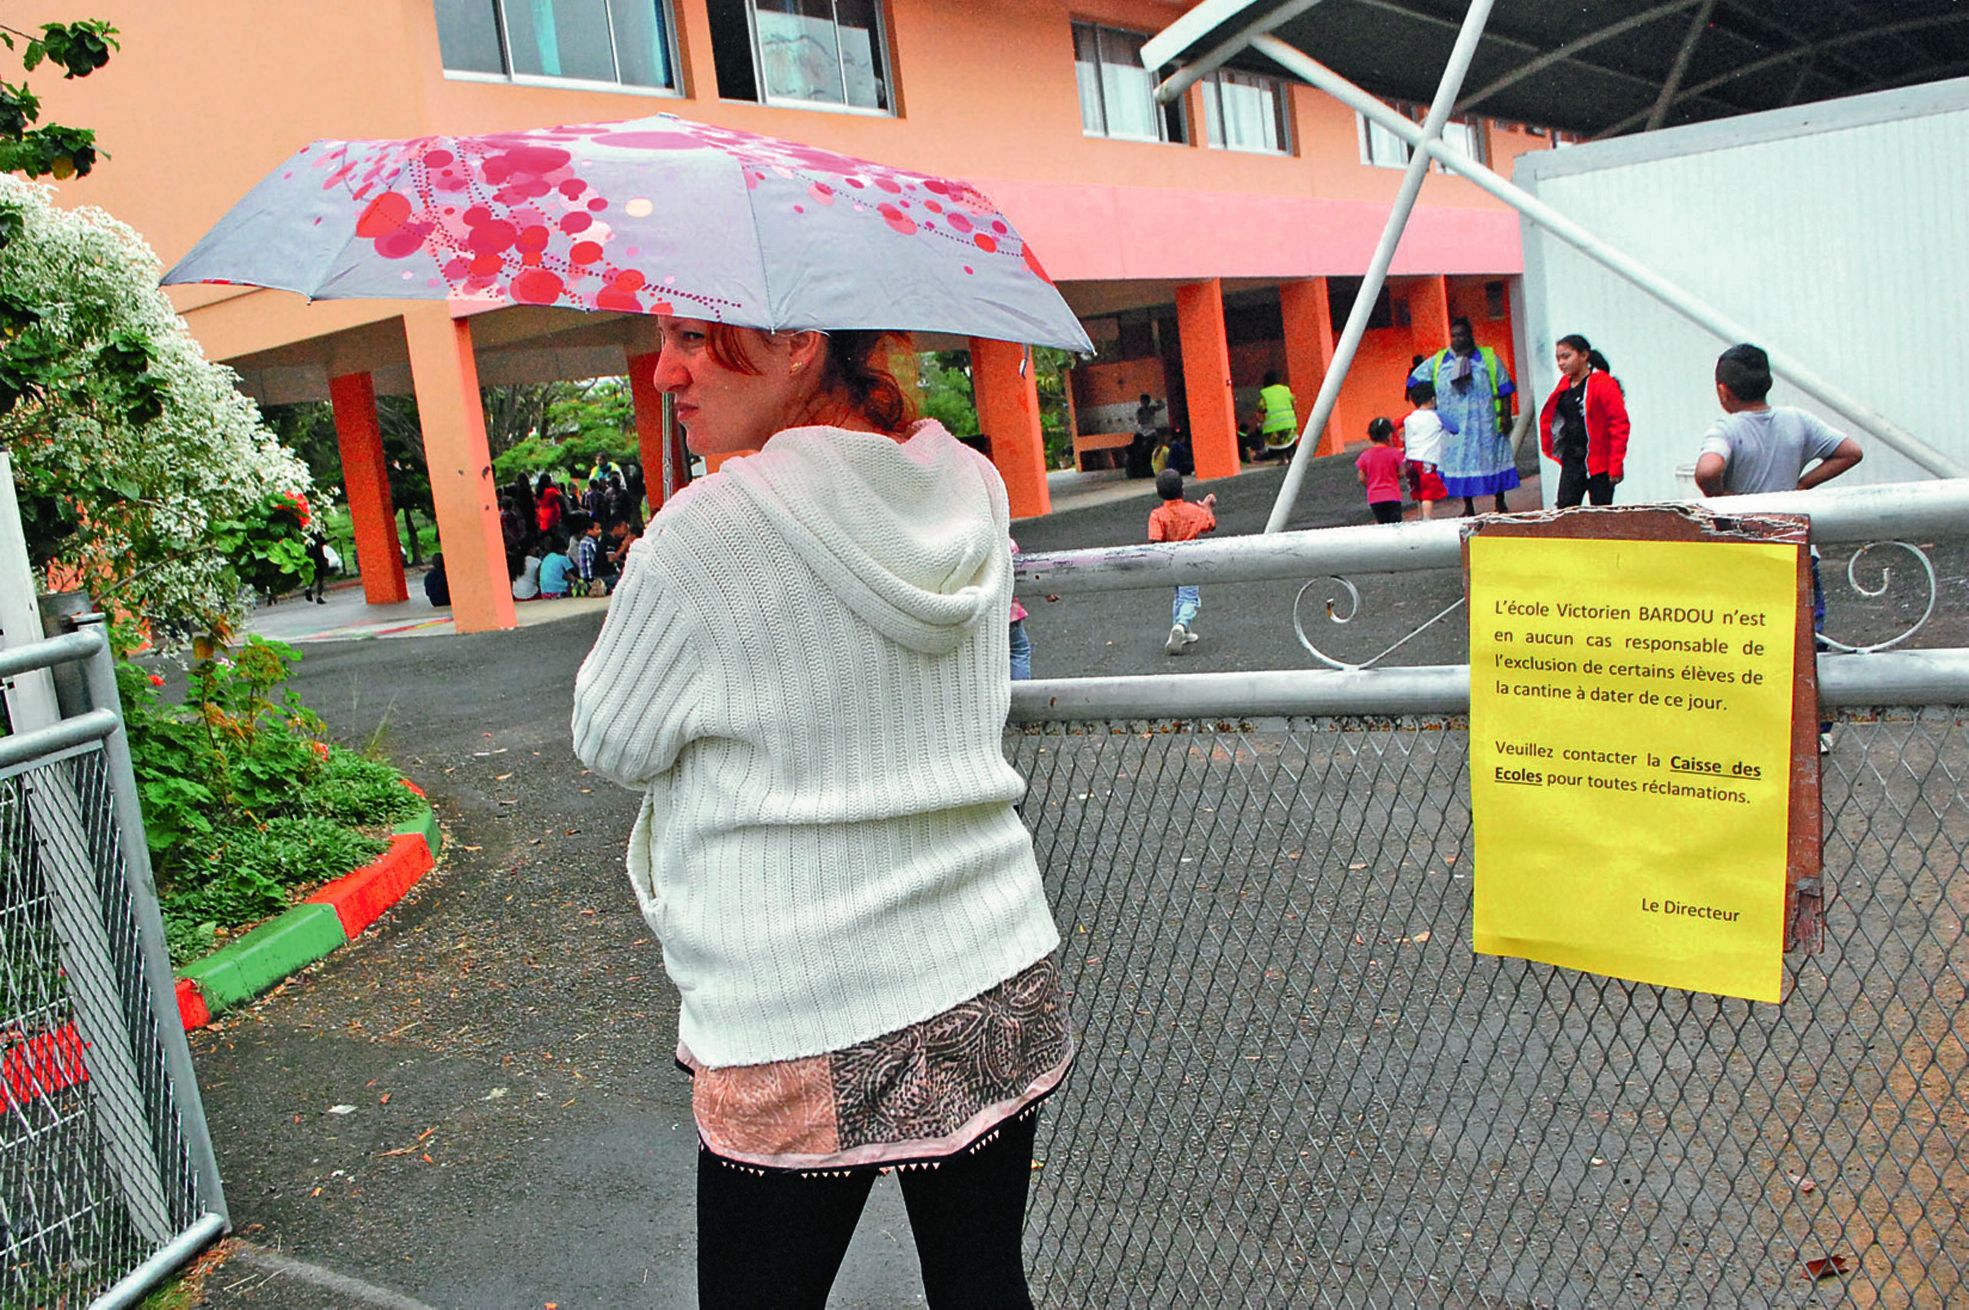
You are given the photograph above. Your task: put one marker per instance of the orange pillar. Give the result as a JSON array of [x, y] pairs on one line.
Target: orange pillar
[[446, 376], [1428, 313], [1207, 378], [1308, 316], [366, 483], [649, 433], [1008, 412]]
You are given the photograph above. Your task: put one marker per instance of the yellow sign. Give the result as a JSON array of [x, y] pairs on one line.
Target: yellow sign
[[1630, 751]]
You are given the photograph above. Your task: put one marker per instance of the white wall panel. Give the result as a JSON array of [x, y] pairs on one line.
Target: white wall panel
[[1838, 232]]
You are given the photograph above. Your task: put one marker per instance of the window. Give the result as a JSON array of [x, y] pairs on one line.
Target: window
[[1245, 111], [1379, 146], [1117, 94], [1384, 149], [801, 52], [625, 42], [1467, 137]]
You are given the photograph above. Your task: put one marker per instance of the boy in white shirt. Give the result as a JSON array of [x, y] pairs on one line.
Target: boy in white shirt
[[1422, 440]]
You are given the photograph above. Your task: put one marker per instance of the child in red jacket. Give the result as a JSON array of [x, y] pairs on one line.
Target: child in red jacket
[[1584, 424]]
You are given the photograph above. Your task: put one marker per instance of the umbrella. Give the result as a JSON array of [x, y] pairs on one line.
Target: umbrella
[[658, 215]]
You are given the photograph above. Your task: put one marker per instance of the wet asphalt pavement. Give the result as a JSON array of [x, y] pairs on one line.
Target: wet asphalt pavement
[[475, 1105]]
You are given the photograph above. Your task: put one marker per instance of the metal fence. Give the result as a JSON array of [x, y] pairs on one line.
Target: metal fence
[[107, 1177], [1298, 1085]]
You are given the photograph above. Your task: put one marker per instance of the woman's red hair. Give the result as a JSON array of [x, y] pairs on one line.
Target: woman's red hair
[[858, 370]]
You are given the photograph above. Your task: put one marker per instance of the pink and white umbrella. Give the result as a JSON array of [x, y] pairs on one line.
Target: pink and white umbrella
[[656, 216]]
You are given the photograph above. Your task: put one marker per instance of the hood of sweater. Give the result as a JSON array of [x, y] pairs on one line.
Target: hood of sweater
[[910, 535]]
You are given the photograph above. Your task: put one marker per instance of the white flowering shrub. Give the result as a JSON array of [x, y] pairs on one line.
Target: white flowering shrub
[[137, 460]]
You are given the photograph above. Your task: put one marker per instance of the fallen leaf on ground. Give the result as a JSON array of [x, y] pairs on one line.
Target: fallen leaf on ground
[[1830, 1266], [1420, 937], [502, 777], [1802, 1182], [384, 1099]]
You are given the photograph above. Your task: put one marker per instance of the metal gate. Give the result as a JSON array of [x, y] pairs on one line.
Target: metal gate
[[107, 1177], [1299, 1086]]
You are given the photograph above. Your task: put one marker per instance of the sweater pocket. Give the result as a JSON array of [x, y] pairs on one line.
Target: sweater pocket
[[643, 842]]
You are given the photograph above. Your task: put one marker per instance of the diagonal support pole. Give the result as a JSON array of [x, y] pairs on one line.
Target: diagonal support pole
[[1666, 99], [1384, 252], [1791, 369]]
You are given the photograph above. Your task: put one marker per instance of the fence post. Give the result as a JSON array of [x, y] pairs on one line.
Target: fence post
[[155, 959], [70, 842]]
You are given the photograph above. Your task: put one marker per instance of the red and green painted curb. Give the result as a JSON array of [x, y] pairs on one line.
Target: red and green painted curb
[[325, 922]]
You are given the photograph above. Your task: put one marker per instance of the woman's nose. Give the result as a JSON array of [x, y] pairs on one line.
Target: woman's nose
[[670, 371]]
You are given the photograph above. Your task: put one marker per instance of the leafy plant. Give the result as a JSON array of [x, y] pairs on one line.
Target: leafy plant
[[244, 801], [240, 873], [79, 49], [128, 446], [355, 790]]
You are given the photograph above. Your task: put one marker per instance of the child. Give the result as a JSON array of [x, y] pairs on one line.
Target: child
[[556, 569], [1380, 470], [1763, 447], [1176, 519], [1422, 443]]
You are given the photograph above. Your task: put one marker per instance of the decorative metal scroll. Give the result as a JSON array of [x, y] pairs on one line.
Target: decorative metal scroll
[[1344, 607], [1886, 581], [1352, 597]]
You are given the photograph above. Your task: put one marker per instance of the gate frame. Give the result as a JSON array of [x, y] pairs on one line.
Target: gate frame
[[103, 722]]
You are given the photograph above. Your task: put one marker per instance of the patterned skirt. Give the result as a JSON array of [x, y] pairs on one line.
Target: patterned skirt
[[921, 1093]]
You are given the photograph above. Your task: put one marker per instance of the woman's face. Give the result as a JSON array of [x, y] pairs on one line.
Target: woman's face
[[1572, 363], [722, 409]]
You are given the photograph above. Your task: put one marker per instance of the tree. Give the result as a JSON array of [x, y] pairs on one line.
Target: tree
[[52, 150], [947, 396], [140, 466], [308, 428]]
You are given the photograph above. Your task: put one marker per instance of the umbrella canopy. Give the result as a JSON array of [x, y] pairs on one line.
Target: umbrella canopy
[[656, 216]]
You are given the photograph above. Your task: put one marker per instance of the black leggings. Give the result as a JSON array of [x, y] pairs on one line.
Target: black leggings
[[777, 1239], [1576, 484]]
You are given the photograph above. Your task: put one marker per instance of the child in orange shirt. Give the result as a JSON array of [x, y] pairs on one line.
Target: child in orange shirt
[[1176, 519]]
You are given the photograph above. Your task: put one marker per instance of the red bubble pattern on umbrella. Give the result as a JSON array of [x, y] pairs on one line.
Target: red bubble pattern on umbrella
[[510, 216]]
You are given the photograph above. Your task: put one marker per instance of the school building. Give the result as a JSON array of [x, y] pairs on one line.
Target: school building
[[1203, 244]]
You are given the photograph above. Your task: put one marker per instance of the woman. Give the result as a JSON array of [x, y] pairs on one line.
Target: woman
[[1583, 424], [1473, 400], [548, 507], [804, 669]]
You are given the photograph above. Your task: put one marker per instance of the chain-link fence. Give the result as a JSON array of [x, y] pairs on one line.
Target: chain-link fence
[[106, 1175], [1298, 1086]]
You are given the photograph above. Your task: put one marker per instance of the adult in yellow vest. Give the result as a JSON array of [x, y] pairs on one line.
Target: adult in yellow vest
[[1473, 400], [1278, 424]]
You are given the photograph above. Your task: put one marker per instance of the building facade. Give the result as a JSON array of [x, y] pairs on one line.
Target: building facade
[[1203, 243]]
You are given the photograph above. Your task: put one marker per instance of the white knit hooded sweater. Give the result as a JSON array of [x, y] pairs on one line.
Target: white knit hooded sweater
[[804, 668]]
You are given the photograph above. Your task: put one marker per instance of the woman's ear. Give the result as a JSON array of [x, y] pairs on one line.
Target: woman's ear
[[804, 351]]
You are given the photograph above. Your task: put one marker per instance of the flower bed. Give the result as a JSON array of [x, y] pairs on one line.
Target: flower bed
[[246, 805]]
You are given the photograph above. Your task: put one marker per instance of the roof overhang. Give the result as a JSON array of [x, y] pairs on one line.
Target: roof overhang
[[1595, 67]]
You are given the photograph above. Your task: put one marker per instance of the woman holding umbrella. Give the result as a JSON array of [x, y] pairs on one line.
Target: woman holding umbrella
[[804, 671]]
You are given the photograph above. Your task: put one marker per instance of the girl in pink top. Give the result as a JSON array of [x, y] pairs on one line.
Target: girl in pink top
[[1380, 470]]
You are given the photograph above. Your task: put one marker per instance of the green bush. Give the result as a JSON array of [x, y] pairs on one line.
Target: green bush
[[354, 790], [244, 801], [240, 873]]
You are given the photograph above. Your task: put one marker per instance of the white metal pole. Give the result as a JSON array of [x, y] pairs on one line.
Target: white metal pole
[[1784, 365], [1384, 253], [30, 696]]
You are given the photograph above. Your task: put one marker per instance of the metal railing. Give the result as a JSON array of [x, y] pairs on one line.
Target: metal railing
[[107, 1176], [1298, 1085]]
